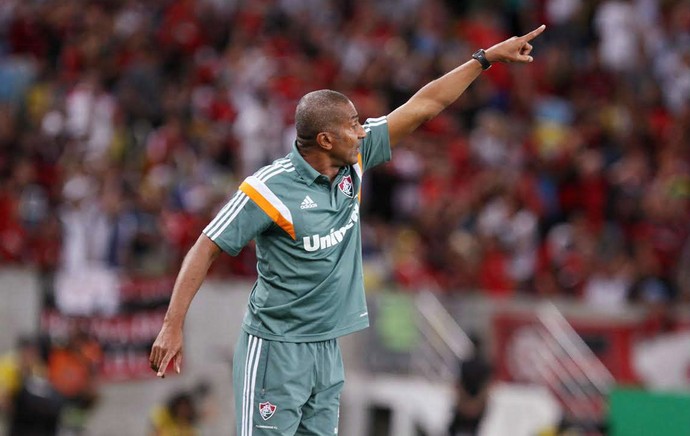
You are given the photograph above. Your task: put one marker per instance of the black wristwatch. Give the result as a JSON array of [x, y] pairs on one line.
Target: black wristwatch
[[480, 55]]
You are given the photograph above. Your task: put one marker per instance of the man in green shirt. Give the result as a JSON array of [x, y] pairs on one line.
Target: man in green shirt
[[303, 213]]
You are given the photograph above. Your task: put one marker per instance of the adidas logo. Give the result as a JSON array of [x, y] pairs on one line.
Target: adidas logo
[[308, 203]]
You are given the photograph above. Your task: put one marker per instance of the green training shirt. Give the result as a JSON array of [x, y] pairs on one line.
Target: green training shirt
[[308, 244]]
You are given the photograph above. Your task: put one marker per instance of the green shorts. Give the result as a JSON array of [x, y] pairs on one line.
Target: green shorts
[[286, 388]]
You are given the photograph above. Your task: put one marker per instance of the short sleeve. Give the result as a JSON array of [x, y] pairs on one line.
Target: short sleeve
[[237, 223], [376, 146]]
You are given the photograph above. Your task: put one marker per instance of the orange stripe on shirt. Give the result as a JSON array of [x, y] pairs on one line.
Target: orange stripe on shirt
[[268, 208], [361, 178]]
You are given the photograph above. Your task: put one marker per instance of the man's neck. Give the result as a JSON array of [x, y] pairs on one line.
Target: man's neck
[[320, 161]]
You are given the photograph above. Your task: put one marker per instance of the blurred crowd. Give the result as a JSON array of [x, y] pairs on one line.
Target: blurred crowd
[[49, 386], [125, 124]]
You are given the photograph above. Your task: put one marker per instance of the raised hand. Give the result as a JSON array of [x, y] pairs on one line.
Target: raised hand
[[515, 49]]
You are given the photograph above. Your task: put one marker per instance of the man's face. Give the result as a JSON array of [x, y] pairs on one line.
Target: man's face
[[346, 136]]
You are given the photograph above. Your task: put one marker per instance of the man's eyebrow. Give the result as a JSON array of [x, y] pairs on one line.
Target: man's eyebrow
[[355, 117]]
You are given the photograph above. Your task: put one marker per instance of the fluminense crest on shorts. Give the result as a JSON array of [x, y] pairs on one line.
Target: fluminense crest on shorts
[[266, 410], [345, 185]]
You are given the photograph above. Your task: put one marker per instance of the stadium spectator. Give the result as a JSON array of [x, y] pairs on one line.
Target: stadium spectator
[[183, 413], [178, 417], [74, 372], [27, 397], [472, 388]]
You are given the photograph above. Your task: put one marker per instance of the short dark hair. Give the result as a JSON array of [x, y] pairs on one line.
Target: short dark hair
[[316, 112]]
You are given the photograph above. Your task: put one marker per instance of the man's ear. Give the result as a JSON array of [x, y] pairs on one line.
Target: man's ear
[[324, 140]]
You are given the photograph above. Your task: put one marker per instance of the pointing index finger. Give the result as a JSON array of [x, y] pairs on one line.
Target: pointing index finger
[[533, 34]]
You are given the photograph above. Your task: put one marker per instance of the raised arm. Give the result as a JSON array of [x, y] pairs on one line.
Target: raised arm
[[168, 344], [440, 93]]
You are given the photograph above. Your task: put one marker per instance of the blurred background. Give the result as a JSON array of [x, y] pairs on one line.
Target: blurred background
[[526, 252]]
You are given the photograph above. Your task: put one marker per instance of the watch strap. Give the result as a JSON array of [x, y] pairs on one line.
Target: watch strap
[[480, 56]]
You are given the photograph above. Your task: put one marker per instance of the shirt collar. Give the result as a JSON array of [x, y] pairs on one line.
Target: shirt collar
[[308, 173]]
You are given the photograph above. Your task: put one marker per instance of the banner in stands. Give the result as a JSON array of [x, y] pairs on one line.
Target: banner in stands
[[517, 336], [125, 333]]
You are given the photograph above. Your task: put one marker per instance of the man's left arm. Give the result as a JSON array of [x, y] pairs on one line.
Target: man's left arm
[[435, 96]]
